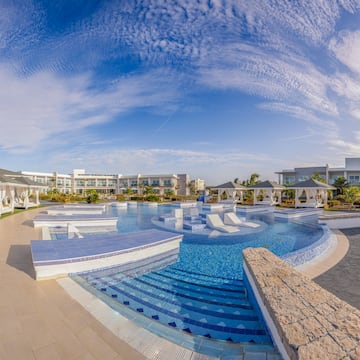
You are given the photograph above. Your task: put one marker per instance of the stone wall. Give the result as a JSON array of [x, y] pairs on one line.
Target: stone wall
[[307, 322]]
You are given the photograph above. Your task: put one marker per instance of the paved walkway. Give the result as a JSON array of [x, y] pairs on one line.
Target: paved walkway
[[343, 279], [38, 319]]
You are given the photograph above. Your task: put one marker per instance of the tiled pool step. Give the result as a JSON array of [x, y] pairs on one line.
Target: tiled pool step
[[209, 278], [210, 324], [154, 290], [136, 333], [136, 268], [206, 280], [198, 289], [189, 302]]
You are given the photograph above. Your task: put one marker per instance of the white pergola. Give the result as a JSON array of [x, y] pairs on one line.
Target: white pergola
[[234, 192], [267, 193], [311, 193], [15, 192]]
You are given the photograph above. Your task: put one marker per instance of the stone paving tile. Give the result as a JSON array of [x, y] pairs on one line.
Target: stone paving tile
[[38, 319], [343, 279], [15, 349], [50, 351], [331, 330], [36, 332]]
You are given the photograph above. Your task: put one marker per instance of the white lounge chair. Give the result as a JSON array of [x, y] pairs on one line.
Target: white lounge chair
[[214, 221], [230, 218]]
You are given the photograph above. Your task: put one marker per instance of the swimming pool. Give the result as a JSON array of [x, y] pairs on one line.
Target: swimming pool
[[197, 293]]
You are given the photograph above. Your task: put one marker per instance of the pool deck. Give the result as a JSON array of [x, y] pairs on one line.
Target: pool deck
[[40, 320]]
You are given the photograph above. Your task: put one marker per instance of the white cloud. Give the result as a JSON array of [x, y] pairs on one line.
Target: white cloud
[[41, 106], [298, 112], [257, 47], [166, 160], [346, 48], [276, 76]]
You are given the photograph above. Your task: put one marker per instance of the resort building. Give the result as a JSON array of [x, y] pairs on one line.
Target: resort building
[[79, 181], [198, 185], [351, 172]]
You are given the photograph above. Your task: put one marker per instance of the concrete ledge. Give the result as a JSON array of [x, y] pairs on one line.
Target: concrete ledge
[[76, 220], [338, 220], [57, 258], [306, 321]]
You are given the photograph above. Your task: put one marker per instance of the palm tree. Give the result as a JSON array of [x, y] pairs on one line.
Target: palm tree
[[254, 179], [350, 195], [91, 196], [340, 183], [318, 177]]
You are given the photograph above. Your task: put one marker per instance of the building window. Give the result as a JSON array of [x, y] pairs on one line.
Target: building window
[[91, 183], [101, 182], [354, 179], [80, 183], [134, 183], [155, 183], [303, 178], [289, 179], [167, 182], [145, 182]]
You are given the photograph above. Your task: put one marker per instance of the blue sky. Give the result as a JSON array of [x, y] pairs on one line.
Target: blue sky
[[216, 89]]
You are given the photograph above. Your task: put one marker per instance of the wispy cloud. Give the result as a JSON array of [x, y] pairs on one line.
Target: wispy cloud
[[134, 161], [346, 48], [108, 60], [38, 107]]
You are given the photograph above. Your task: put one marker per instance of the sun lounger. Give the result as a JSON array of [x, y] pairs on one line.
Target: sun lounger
[[230, 218], [214, 221]]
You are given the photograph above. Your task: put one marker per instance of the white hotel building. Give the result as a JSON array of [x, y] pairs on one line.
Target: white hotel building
[[79, 181], [351, 172]]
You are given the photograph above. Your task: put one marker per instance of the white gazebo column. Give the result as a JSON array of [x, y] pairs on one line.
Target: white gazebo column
[[325, 197], [298, 193], [37, 197], [2, 197], [26, 199], [314, 201], [241, 196], [12, 199], [256, 192]]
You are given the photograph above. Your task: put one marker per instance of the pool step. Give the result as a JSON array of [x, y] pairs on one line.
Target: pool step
[[194, 312], [208, 278], [197, 322]]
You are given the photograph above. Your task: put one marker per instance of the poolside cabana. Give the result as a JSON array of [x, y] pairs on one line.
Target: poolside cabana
[[26, 193], [5, 206], [233, 192], [311, 193], [17, 191], [267, 193]]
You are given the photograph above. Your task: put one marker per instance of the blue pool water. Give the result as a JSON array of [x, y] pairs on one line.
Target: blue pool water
[[198, 291]]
